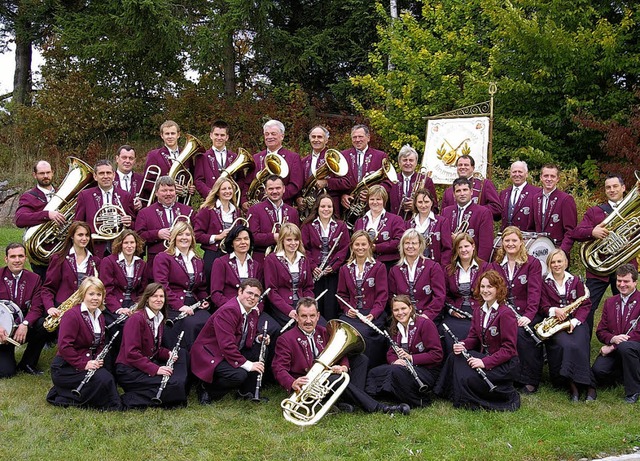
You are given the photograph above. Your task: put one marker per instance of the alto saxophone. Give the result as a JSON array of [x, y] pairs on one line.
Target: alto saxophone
[[52, 323], [551, 325]]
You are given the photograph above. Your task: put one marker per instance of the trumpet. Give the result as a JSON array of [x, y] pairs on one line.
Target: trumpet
[[463, 226], [244, 160], [336, 165]]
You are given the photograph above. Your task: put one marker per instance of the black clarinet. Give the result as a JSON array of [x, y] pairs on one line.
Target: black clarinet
[[528, 329], [262, 358], [634, 323], [173, 356], [103, 353], [465, 314], [183, 315], [467, 356], [122, 317]]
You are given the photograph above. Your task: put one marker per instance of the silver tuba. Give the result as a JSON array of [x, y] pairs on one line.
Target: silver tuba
[[274, 164], [308, 406], [335, 164]]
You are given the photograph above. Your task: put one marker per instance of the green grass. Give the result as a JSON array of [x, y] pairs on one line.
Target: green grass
[[547, 427]]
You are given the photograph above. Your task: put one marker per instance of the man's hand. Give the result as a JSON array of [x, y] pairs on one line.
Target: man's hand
[[57, 217]]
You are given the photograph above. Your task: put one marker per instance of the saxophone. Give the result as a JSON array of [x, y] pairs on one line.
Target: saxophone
[[551, 325], [52, 323]]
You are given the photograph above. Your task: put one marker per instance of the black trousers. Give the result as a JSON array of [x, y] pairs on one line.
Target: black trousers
[[623, 364], [227, 378], [597, 289], [37, 337]]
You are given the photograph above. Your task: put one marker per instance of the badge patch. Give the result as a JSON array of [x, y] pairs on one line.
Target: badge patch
[[523, 279], [472, 233], [371, 281], [493, 331], [555, 218], [526, 210], [420, 347], [427, 289], [385, 235]]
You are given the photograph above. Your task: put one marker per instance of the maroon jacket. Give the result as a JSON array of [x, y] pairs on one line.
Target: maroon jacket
[[294, 356], [453, 286], [136, 183], [90, 201], [62, 279], [336, 186], [480, 227], [374, 287], [206, 171], [76, 338], [500, 336], [561, 217], [293, 182], [29, 293], [220, 338], [612, 323], [372, 162], [424, 344], [522, 211], [207, 223], [171, 273], [263, 216], [225, 280], [312, 241], [396, 196], [278, 278], [139, 348], [489, 197], [438, 237], [113, 274], [574, 290], [153, 218], [390, 230], [526, 286], [30, 210], [429, 289]]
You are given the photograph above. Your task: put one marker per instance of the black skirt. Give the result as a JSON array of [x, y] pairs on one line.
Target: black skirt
[[397, 382], [568, 357], [376, 344]]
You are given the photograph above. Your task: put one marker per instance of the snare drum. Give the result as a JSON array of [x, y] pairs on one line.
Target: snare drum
[[10, 316], [537, 245]]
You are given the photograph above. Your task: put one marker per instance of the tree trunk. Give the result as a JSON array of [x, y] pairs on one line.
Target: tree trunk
[[22, 74], [229, 65]]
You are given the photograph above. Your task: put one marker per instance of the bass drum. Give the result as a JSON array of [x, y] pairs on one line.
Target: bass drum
[[538, 246], [10, 316]]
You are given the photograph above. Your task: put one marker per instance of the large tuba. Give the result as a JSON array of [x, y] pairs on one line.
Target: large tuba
[[603, 256], [551, 325], [308, 406], [334, 164], [42, 240], [358, 207], [274, 164], [179, 171], [243, 160]]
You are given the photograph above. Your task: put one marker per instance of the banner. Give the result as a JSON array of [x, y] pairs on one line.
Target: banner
[[448, 139]]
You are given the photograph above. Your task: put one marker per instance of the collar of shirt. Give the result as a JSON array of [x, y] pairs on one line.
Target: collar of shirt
[[405, 177], [46, 191], [173, 152], [369, 215], [368, 260], [278, 207], [234, 256], [487, 309], [411, 266], [463, 208], [72, 251], [125, 175], [614, 204], [274, 151], [565, 277], [625, 299], [544, 194], [152, 316], [243, 311], [220, 152], [18, 275], [189, 256], [96, 314], [404, 332], [282, 254], [232, 207], [474, 263], [364, 151], [122, 258]]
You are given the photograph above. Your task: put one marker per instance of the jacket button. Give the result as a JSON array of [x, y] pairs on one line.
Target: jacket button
[[212, 361]]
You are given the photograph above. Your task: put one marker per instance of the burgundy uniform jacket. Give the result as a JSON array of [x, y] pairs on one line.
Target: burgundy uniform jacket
[[453, 286], [522, 216], [424, 344], [375, 288], [397, 195], [499, 338], [428, 290], [388, 233], [312, 241], [559, 220], [293, 182], [480, 227], [574, 289], [207, 223], [207, 170], [526, 286], [62, 279], [29, 291], [136, 183], [278, 278], [263, 216], [153, 218], [171, 272], [76, 338], [30, 210], [438, 237], [483, 187], [113, 274], [139, 347], [615, 322], [225, 278]]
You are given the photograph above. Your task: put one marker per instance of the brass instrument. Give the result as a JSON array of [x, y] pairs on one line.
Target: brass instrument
[[243, 160], [43, 240], [552, 325], [603, 256], [179, 171], [309, 405], [463, 226], [108, 222], [358, 207], [152, 171], [52, 323], [335, 164], [180, 217], [239, 219], [274, 164], [421, 181]]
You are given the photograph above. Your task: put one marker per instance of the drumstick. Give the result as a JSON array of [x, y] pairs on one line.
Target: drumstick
[[13, 341]]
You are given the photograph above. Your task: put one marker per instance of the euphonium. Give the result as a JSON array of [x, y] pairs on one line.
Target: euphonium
[[51, 323], [274, 164], [358, 207], [603, 256], [179, 171], [310, 404], [551, 325], [334, 164], [42, 240], [243, 160]]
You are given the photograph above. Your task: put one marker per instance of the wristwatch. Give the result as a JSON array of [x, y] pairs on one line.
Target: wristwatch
[[25, 323]]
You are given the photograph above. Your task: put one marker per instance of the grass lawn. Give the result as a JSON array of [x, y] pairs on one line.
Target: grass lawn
[[547, 427]]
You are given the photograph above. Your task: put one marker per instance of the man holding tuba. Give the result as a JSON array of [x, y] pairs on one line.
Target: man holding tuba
[[592, 229], [107, 209]]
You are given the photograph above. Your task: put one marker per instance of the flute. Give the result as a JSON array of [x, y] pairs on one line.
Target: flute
[[465, 314], [467, 356], [422, 387], [262, 358], [173, 356], [291, 321], [103, 353], [185, 314], [325, 261], [528, 329]]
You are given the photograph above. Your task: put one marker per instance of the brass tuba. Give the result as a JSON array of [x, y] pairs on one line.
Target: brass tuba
[[551, 325], [334, 164], [603, 256], [274, 164], [358, 207], [43, 240], [243, 160], [308, 406]]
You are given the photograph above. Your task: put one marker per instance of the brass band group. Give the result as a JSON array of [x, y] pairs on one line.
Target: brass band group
[[342, 280]]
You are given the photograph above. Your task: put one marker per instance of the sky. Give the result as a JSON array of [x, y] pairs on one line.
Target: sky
[[7, 67]]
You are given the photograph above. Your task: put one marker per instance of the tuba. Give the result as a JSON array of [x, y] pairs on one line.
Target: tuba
[[358, 207], [551, 325], [274, 164], [42, 240], [310, 404], [603, 256], [243, 160], [334, 164]]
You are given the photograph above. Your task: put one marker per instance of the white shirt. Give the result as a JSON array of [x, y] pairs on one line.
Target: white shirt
[[107, 196], [126, 185], [358, 273], [48, 193], [406, 184], [187, 259], [487, 310], [248, 364], [372, 224], [157, 320], [314, 161], [465, 275], [278, 209], [324, 231], [515, 193], [129, 267], [562, 290], [243, 269], [411, 268], [545, 200], [293, 266], [422, 227], [94, 318], [82, 265], [404, 332]]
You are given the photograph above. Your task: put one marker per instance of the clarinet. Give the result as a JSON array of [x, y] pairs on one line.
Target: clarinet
[[467, 356], [634, 323], [184, 314], [103, 353], [422, 387], [528, 329], [173, 356], [262, 358], [122, 317], [465, 314], [325, 261]]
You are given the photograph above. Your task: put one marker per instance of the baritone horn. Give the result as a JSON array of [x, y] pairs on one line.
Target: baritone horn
[[603, 256], [336, 165], [179, 171], [243, 160], [274, 164], [310, 404]]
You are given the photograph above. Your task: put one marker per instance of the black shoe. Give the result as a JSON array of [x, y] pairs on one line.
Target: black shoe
[[31, 370], [574, 397], [345, 407], [632, 398], [529, 389], [402, 409], [203, 395]]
